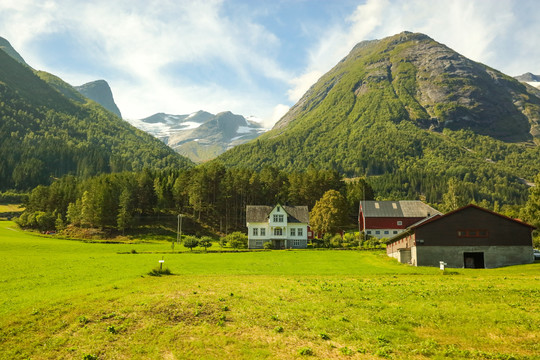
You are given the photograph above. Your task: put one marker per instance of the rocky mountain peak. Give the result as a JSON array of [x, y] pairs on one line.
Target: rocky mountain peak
[[100, 92]]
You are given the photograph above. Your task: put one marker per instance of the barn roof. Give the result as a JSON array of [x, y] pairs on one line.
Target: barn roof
[[402, 209], [260, 213]]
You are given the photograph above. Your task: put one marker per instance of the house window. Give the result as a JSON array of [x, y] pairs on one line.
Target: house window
[[255, 231], [296, 242], [278, 231], [258, 243], [386, 232], [377, 232], [263, 232], [293, 232], [473, 233], [395, 231], [277, 209], [300, 232], [369, 232], [278, 218], [400, 223]]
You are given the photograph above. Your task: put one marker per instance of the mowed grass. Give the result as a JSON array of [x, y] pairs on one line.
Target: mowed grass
[[63, 299], [10, 208]]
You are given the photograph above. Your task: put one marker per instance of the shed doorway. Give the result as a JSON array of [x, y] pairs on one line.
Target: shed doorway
[[473, 260]]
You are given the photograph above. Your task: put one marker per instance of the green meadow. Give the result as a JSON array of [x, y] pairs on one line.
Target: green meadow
[[66, 299]]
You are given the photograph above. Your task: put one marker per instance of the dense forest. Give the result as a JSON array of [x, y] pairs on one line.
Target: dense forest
[[47, 130], [210, 194]]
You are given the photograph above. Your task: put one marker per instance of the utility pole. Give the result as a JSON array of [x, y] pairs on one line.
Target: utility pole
[[179, 229]]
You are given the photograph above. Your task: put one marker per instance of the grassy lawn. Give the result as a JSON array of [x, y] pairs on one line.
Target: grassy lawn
[[10, 208], [62, 299]]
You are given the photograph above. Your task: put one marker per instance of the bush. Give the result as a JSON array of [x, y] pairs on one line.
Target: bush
[[237, 240], [205, 242], [223, 241], [268, 245], [191, 242], [159, 272]]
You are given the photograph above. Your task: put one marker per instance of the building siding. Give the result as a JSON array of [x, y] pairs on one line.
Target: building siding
[[501, 231], [453, 256]]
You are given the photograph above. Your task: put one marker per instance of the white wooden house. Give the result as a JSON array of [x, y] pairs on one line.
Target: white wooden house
[[285, 227]]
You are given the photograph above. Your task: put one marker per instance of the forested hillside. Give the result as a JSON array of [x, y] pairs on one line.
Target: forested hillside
[[211, 194], [411, 114], [48, 129]]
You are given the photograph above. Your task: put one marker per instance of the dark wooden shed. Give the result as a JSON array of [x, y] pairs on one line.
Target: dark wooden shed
[[471, 237]]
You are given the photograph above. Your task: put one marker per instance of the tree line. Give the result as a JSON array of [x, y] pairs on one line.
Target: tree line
[[210, 194]]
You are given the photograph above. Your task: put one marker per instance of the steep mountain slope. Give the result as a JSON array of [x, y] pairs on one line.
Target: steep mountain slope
[[414, 113], [201, 136], [8, 49], [100, 92], [48, 129]]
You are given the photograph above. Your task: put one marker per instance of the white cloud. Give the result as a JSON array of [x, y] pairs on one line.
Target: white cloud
[[146, 49], [279, 111], [137, 42]]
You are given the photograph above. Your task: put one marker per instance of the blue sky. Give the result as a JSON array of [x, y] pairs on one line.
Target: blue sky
[[252, 57]]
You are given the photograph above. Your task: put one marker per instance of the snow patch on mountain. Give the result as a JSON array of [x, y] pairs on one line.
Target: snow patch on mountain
[[200, 135]]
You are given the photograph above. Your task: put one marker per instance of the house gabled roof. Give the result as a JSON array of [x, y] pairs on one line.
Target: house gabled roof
[[260, 213], [434, 218], [397, 209]]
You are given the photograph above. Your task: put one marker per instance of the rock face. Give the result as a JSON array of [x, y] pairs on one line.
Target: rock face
[[100, 92], [438, 88], [201, 136], [528, 77]]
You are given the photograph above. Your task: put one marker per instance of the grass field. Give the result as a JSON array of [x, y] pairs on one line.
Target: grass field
[[62, 299], [10, 208]]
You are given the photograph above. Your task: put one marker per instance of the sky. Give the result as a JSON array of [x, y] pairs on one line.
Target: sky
[[251, 57]]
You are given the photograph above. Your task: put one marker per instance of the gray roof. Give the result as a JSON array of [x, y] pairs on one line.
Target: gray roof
[[260, 213], [403, 208]]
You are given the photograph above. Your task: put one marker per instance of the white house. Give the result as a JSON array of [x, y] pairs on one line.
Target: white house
[[285, 227]]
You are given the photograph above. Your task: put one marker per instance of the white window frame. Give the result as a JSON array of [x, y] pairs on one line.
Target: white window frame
[[300, 232], [263, 232], [278, 230], [400, 223], [293, 232], [255, 231], [296, 242]]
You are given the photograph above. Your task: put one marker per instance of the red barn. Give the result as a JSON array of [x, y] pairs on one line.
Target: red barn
[[384, 219]]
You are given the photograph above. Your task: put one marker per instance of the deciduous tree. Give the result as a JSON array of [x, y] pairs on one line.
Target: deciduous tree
[[329, 213]]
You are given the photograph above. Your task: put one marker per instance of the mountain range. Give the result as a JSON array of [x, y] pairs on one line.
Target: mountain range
[[410, 113], [406, 111], [201, 136], [48, 129]]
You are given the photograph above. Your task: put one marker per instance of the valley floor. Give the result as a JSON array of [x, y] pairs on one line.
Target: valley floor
[[63, 299]]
